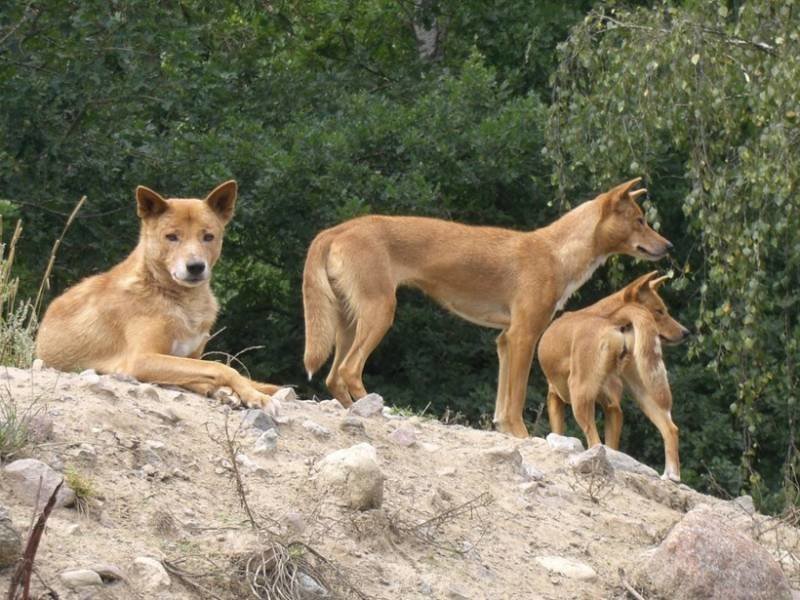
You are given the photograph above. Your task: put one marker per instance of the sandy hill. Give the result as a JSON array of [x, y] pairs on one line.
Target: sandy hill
[[410, 509]]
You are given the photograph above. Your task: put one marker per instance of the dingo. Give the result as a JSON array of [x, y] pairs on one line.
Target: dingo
[[590, 354], [509, 280], [150, 315]]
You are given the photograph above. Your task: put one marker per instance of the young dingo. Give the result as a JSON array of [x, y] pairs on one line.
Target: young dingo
[[510, 280], [591, 354], [150, 316]]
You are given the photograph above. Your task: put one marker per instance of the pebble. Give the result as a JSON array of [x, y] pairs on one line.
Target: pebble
[[368, 406], [258, 419], [353, 425], [317, 430], [266, 443], [567, 567], [78, 578], [150, 573], [403, 436]]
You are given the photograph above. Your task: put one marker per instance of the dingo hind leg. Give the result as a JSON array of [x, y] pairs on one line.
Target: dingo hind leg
[[345, 333], [555, 411]]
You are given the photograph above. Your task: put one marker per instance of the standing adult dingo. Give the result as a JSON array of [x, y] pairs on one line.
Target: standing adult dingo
[[500, 278], [150, 316]]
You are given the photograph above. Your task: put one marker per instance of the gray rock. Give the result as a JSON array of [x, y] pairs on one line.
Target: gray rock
[[317, 430], [310, 587], [563, 444], [745, 504], [567, 567], [285, 394], [354, 476], [505, 455], [353, 425], [623, 462], [148, 392], [40, 428], [249, 465], [89, 376], [78, 578], [592, 462], [108, 573], [24, 477], [403, 436], [103, 389], [530, 472], [266, 443], [258, 419], [10, 541], [705, 557], [330, 405], [150, 574], [295, 522], [38, 364], [368, 406]]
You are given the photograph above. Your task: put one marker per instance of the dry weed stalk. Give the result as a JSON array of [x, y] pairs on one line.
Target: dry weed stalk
[[596, 483]]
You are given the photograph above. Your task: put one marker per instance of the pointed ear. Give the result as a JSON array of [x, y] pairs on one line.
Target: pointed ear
[[149, 203], [637, 286], [222, 200], [624, 188], [657, 283]]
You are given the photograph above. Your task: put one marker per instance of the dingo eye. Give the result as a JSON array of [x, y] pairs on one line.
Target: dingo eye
[[172, 237], [640, 221], [208, 237]]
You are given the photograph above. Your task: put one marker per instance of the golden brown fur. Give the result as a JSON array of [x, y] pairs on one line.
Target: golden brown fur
[[150, 316], [591, 354], [510, 280]]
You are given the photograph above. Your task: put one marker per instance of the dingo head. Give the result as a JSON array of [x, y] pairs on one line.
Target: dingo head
[[623, 228], [183, 236], [644, 291]]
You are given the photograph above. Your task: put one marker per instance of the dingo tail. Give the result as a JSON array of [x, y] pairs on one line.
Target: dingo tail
[[320, 306]]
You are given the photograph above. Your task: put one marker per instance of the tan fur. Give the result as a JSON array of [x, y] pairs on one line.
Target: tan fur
[[509, 280], [150, 316], [588, 356]]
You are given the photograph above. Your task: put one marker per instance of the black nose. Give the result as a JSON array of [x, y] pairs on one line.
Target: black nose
[[196, 268], [669, 246], [685, 332]]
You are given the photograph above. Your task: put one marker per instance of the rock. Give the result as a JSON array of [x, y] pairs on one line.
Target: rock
[[79, 578], [249, 465], [151, 574], [563, 444], [317, 430], [745, 504], [124, 377], [285, 394], [404, 436], [89, 376], [295, 522], [266, 443], [353, 474], [109, 573], [10, 541], [622, 462], [704, 557], [353, 425], [592, 462], [103, 389], [368, 406], [24, 476], [455, 592], [38, 364], [504, 455], [258, 419], [310, 587], [530, 472], [567, 567], [330, 405]]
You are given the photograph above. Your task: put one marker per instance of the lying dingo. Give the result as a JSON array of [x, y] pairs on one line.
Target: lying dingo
[[150, 316], [591, 354], [510, 280]]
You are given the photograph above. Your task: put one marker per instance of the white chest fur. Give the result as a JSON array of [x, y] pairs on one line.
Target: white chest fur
[[579, 281], [188, 346]]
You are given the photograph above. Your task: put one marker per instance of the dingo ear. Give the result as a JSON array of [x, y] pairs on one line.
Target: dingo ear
[[637, 286], [657, 283], [624, 188], [149, 203], [222, 200]]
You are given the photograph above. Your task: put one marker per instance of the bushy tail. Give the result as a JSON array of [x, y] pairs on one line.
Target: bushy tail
[[320, 306], [646, 346]]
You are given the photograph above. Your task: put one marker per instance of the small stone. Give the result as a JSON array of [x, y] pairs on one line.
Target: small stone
[[249, 465], [79, 578], [353, 474], [531, 473], [151, 574], [295, 522], [123, 377], [508, 455], [25, 475], [317, 430], [178, 474], [149, 470], [38, 364], [266, 443], [89, 376], [563, 444], [622, 462], [285, 394], [353, 425], [368, 406], [592, 462], [176, 396], [745, 504], [148, 392], [567, 567], [330, 405], [102, 389], [109, 573], [310, 587], [404, 436], [425, 588], [458, 593], [40, 428], [258, 419]]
